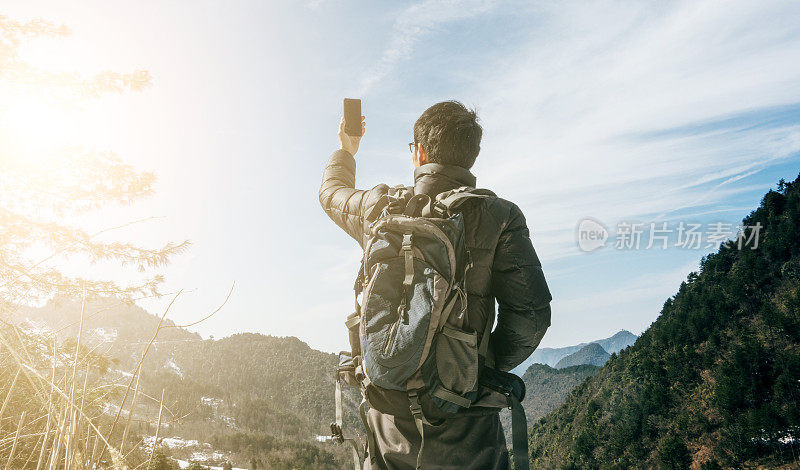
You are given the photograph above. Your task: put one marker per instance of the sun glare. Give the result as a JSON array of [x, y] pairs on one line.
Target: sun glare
[[36, 121], [34, 128]]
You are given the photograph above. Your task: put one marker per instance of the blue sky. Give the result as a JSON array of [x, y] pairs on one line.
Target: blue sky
[[620, 111]]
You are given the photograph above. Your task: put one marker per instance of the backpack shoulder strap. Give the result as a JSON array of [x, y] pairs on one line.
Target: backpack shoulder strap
[[448, 202], [393, 202]]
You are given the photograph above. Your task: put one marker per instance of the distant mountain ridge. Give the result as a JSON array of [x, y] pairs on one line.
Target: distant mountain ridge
[[550, 356], [592, 354]]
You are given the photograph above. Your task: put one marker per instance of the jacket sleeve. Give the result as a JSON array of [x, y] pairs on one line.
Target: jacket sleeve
[[522, 295], [346, 206]]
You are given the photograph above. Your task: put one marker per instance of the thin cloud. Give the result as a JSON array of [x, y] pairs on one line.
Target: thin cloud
[[560, 115], [413, 24]]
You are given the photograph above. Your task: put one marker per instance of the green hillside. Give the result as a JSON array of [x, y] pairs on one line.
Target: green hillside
[[714, 381], [545, 389], [278, 386], [257, 397]]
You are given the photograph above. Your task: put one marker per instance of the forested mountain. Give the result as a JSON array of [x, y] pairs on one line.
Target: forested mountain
[[545, 389], [592, 354], [714, 381], [550, 356], [253, 397]]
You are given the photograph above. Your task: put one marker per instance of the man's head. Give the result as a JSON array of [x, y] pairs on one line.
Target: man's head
[[447, 133]]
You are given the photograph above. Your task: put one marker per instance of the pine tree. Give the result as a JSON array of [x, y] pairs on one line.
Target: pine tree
[[38, 202], [161, 461], [41, 197]]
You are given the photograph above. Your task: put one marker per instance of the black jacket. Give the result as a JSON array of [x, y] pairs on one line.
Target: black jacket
[[505, 268]]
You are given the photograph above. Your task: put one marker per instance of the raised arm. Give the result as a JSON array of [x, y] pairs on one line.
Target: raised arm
[[344, 204], [522, 295]]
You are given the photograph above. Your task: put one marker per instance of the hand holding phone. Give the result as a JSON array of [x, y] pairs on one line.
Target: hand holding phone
[[352, 117], [349, 137]]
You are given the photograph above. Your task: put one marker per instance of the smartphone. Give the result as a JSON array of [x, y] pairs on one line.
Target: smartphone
[[352, 116]]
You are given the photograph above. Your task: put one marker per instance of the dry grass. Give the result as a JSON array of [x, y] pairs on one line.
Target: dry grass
[[55, 402]]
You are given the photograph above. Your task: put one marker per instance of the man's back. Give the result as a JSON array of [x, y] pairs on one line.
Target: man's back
[[504, 268]]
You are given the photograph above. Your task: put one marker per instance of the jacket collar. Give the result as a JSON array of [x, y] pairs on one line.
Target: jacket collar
[[434, 178]]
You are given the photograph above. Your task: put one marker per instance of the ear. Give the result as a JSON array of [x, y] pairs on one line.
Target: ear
[[422, 155]]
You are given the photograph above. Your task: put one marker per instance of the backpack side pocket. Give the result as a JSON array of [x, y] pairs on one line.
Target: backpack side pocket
[[455, 361]]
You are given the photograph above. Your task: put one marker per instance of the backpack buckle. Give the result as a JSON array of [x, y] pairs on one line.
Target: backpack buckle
[[414, 405], [408, 241], [439, 208]]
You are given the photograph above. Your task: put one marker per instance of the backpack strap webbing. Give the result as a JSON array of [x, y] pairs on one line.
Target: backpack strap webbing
[[513, 388], [483, 348], [519, 433], [371, 449], [336, 428], [419, 422]]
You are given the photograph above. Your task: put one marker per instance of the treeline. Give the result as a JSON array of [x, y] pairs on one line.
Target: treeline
[[715, 380], [264, 451], [260, 397]]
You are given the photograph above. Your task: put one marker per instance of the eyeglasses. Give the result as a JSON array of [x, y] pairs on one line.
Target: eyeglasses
[[412, 146]]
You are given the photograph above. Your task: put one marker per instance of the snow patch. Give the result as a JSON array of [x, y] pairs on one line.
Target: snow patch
[[174, 367], [203, 452], [185, 464], [208, 401], [105, 334], [229, 421], [201, 456]]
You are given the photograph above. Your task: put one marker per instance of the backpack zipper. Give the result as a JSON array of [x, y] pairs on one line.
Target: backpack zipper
[[402, 316], [390, 336]]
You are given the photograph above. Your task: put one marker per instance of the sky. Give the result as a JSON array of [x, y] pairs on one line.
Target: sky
[[624, 112]]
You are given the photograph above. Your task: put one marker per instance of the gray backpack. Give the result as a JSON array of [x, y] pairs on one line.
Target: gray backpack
[[413, 332], [413, 351]]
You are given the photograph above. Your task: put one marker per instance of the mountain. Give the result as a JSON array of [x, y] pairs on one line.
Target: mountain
[[241, 398], [550, 356], [715, 381], [617, 342], [545, 389], [592, 353], [122, 325]]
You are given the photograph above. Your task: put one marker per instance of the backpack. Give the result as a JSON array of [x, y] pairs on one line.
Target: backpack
[[413, 350], [413, 332]]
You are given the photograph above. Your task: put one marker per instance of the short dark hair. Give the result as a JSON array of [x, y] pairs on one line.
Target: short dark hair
[[450, 134]]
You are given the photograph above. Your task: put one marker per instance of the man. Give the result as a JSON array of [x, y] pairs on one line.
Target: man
[[505, 268]]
